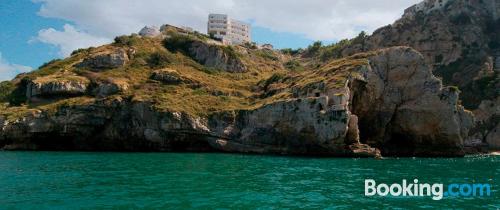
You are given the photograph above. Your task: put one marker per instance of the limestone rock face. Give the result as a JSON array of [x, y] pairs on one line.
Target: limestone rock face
[[106, 60], [486, 129], [302, 126], [460, 40], [493, 138], [487, 110], [53, 86], [121, 125], [394, 106], [404, 110], [219, 57], [112, 87], [442, 35]]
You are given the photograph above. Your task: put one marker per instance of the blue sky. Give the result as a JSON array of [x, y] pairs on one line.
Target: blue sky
[[36, 31], [20, 24], [280, 40]]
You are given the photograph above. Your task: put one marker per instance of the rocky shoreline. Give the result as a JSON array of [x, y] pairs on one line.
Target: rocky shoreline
[[403, 91], [394, 107]]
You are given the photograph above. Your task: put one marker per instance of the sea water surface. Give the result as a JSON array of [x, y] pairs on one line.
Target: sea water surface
[[78, 180]]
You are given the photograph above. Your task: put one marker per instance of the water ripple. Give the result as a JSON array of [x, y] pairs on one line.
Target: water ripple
[[64, 180]]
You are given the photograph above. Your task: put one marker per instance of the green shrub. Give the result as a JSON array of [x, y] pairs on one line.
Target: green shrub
[[250, 45], [273, 79], [453, 88], [178, 43], [140, 59], [126, 40], [199, 92], [360, 39], [160, 59], [228, 50], [6, 89], [294, 65], [47, 68], [49, 63], [200, 36], [290, 51], [446, 72], [225, 98], [267, 54], [487, 83], [208, 70], [17, 94], [82, 50], [315, 47], [335, 50]]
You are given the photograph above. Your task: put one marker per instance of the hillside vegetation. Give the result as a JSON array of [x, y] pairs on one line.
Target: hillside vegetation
[[269, 76]]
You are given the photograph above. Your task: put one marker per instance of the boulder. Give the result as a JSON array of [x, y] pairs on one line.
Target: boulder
[[216, 56], [105, 60], [110, 88], [149, 31], [167, 76], [57, 86]]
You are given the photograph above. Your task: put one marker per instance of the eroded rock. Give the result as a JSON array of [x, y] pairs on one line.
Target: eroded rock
[[404, 110], [486, 129], [394, 105], [105, 60], [219, 57], [110, 87], [493, 137], [57, 86], [150, 31]]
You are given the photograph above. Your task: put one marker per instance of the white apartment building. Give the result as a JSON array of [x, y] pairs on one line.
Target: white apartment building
[[232, 32]]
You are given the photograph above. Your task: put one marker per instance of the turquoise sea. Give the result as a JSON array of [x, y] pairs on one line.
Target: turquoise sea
[[78, 180]]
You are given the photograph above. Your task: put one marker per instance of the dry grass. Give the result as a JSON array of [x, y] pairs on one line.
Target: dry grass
[[209, 90]]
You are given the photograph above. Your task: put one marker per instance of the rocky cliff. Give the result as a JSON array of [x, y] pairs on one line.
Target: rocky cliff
[[182, 91], [403, 108], [460, 39], [385, 102]]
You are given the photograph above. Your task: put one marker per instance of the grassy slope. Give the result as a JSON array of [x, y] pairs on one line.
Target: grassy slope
[[217, 90]]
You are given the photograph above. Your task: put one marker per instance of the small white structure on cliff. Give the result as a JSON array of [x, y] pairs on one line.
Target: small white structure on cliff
[[149, 31], [232, 32]]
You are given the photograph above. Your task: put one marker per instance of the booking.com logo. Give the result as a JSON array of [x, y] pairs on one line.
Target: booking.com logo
[[416, 189]]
